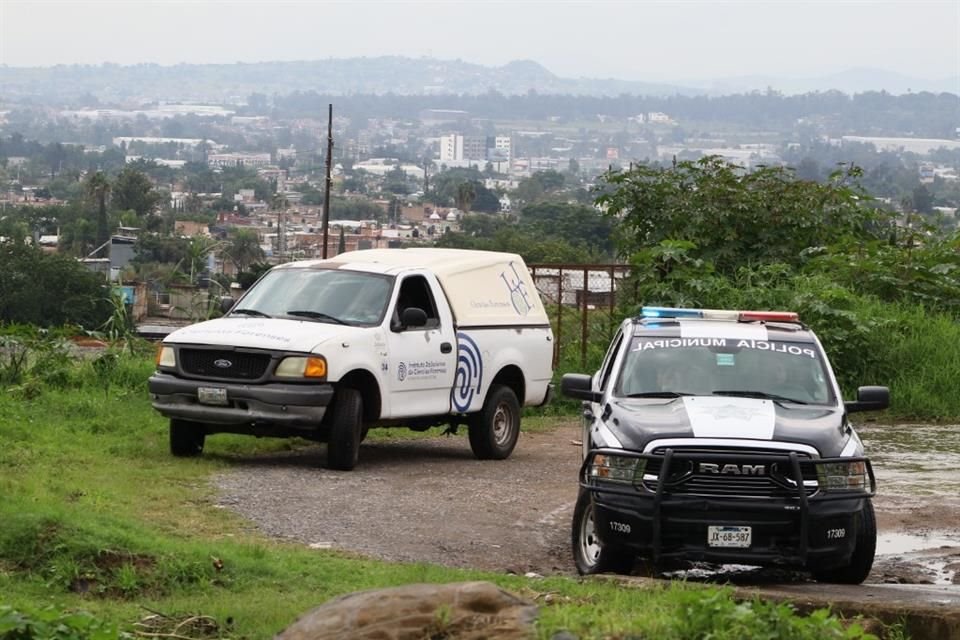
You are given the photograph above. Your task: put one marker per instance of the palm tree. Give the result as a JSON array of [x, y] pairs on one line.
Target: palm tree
[[244, 249], [466, 193], [98, 187], [197, 252]]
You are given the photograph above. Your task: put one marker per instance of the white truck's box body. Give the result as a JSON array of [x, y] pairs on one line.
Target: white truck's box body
[[484, 288]]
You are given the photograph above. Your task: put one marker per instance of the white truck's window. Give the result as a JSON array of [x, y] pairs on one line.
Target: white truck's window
[[415, 292], [324, 295], [717, 366]]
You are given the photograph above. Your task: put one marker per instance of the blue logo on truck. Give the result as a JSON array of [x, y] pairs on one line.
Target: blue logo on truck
[[469, 374], [518, 291]]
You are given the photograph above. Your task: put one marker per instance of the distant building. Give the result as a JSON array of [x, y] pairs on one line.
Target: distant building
[[455, 148], [239, 160], [500, 149], [451, 148], [920, 146], [190, 229], [444, 116]]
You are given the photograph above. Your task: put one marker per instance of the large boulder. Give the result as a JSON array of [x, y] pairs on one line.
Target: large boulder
[[461, 610]]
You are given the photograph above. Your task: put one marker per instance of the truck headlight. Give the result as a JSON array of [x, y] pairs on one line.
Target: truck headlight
[[843, 476], [617, 469], [314, 367], [166, 356]]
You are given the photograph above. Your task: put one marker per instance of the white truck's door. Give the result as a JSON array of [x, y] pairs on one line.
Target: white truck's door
[[422, 359]]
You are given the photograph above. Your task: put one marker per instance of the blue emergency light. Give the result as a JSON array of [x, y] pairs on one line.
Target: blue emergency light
[[720, 314]]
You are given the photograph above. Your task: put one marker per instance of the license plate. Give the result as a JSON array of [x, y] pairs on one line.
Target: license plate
[[212, 395], [737, 537]]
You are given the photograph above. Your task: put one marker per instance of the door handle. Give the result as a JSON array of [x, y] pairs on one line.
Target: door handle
[[446, 347]]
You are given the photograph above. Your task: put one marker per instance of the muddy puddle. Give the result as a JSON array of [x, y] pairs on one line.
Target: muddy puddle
[[918, 502]]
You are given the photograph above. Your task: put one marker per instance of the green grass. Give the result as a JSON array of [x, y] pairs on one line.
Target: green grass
[[97, 516]]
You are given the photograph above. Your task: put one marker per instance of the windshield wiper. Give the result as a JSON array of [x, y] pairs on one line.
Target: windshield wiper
[[251, 312], [316, 315], [659, 394], [758, 394]]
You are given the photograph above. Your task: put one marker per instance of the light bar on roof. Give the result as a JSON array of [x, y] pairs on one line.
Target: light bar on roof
[[670, 312], [720, 314], [769, 316]]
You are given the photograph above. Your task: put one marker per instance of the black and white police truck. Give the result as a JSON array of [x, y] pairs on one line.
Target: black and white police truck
[[721, 436]]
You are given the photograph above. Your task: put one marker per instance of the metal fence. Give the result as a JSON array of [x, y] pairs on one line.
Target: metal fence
[[585, 303]]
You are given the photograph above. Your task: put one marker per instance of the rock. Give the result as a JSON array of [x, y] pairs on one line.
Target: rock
[[461, 610]]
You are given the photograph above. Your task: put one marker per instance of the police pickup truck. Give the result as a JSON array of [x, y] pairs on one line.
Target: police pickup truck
[[324, 349], [721, 436]]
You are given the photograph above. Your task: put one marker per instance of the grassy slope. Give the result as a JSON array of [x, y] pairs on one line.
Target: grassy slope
[[96, 515]]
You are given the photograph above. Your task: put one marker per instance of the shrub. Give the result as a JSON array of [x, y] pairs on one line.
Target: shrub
[[49, 290]]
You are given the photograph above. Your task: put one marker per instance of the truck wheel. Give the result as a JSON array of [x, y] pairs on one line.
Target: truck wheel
[[186, 438], [862, 559], [588, 554], [495, 429], [346, 430]]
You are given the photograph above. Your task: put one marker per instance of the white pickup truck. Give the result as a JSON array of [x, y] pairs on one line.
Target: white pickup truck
[[324, 349]]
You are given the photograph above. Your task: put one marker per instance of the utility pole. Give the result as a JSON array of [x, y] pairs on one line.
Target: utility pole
[[426, 178], [326, 189]]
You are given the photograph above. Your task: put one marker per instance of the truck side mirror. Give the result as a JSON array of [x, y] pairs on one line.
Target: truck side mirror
[[413, 317], [226, 303], [869, 399], [579, 386]]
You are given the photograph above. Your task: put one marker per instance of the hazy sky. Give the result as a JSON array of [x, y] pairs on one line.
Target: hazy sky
[[638, 40]]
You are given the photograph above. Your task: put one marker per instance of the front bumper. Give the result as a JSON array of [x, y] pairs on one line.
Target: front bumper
[[679, 530], [274, 404], [816, 531]]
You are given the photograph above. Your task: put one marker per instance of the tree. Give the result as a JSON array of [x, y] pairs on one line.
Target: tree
[[155, 249], [98, 188], [734, 217], [133, 190], [466, 192], [485, 200], [49, 290], [922, 200], [244, 248]]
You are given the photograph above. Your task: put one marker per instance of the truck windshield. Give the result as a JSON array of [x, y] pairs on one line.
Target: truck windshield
[[336, 296], [670, 367]]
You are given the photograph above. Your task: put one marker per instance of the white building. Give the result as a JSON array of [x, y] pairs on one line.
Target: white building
[[238, 159], [451, 148], [502, 149]]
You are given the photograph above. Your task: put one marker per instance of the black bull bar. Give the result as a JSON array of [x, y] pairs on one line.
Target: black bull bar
[[671, 457]]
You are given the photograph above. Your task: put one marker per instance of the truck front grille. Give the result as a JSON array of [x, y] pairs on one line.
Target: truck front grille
[[211, 363], [776, 481]]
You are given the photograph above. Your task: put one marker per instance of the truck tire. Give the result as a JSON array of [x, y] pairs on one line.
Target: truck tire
[[346, 430], [186, 438], [494, 430], [589, 555], [862, 559]]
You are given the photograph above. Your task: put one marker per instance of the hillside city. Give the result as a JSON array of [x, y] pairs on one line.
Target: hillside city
[[195, 193]]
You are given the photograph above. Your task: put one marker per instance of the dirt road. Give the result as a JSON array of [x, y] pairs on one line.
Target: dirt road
[[429, 500]]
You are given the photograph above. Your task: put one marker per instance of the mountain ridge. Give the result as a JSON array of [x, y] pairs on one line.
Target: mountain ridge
[[403, 75]]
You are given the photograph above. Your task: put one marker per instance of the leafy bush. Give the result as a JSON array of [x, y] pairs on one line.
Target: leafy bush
[[35, 360], [51, 624], [738, 217], [49, 290], [719, 617]]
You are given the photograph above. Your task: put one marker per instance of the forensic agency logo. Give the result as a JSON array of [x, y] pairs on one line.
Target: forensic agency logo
[[401, 371], [518, 291]]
